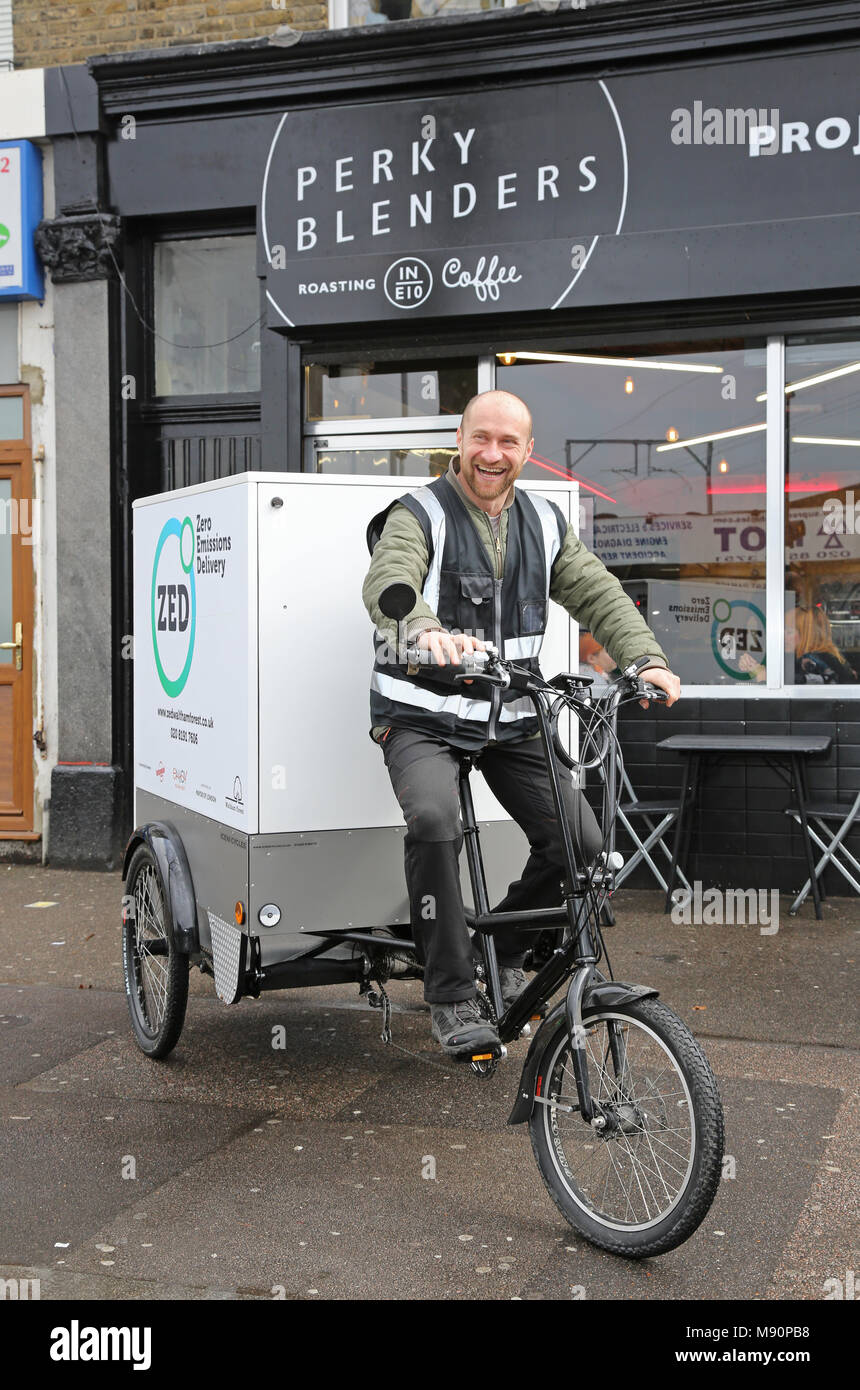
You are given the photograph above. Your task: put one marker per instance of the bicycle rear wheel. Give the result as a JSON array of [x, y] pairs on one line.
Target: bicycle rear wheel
[[643, 1184], [156, 975]]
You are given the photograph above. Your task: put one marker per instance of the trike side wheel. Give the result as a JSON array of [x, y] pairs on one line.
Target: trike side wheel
[[156, 974], [646, 1181]]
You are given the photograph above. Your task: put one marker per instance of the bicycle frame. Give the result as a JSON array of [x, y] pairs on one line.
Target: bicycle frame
[[578, 955]]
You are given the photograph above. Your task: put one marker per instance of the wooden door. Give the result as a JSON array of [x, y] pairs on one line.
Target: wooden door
[[19, 534]]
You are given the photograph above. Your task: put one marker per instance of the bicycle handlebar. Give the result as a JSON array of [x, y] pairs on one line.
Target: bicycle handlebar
[[487, 667]]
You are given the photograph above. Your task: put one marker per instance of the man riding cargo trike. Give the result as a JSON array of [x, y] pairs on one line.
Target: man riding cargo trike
[[271, 867]]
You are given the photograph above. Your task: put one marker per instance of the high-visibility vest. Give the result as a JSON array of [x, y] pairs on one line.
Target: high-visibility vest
[[462, 590]]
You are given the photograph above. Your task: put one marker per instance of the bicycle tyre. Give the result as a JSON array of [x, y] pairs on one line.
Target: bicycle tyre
[[155, 973], [632, 1234]]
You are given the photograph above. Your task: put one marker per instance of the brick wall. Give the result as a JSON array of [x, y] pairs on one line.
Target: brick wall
[[48, 34]]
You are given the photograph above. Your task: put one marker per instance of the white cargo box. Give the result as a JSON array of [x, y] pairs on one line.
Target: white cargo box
[[253, 654]]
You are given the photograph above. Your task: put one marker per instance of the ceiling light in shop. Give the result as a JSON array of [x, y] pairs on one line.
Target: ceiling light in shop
[[671, 434], [628, 386], [815, 439], [816, 380], [641, 363], [706, 438], [723, 466]]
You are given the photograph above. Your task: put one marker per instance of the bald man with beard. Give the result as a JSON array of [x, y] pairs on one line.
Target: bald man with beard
[[485, 558]]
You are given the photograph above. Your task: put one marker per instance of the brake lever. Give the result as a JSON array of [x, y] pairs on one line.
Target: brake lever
[[646, 691]]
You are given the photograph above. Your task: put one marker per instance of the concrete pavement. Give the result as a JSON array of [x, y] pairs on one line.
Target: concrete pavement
[[233, 1169]]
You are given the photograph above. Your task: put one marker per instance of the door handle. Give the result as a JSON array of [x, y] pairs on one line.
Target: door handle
[[17, 646]]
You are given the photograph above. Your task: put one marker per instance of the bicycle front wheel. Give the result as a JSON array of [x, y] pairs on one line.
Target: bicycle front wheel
[[645, 1182]]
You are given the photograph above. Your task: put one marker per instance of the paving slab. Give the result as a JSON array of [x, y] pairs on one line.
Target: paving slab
[[71, 1162]]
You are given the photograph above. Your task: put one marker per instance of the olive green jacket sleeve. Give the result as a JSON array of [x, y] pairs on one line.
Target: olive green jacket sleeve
[[400, 557], [580, 582], [592, 596]]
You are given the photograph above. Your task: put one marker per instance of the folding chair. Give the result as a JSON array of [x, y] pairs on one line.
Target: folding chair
[[818, 813], [668, 812]]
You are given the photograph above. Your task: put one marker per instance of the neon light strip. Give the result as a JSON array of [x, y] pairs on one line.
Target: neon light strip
[[569, 477]]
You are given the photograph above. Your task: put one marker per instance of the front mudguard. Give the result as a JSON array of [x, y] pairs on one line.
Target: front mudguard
[[165, 843], [599, 994]]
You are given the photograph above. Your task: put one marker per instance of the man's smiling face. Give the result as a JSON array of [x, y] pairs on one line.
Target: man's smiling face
[[494, 441]]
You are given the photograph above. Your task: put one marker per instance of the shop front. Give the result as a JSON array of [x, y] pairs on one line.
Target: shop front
[[319, 253]]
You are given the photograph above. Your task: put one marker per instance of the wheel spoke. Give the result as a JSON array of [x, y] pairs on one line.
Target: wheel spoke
[[634, 1176], [152, 971]]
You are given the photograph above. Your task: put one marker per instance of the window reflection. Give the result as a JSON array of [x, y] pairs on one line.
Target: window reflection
[[388, 390], [670, 447], [822, 543], [207, 310], [397, 463]]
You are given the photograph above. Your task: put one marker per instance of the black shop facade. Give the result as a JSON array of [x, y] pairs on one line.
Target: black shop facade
[[314, 254]]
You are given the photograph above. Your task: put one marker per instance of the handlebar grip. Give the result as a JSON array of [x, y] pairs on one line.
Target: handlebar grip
[[419, 656]]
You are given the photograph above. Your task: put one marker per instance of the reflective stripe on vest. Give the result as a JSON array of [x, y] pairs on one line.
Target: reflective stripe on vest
[[436, 522], [406, 692]]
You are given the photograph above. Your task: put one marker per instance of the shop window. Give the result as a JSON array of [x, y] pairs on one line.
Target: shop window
[[388, 391], [822, 512], [669, 448], [207, 316]]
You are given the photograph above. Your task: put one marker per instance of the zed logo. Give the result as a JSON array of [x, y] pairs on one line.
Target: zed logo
[[174, 604], [729, 640]]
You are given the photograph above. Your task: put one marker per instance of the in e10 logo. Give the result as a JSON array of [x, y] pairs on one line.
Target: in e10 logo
[[174, 604]]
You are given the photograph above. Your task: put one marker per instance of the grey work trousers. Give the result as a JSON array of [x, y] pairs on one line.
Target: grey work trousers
[[424, 773]]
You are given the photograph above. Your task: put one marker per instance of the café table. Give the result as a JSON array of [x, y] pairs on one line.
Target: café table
[[785, 753]]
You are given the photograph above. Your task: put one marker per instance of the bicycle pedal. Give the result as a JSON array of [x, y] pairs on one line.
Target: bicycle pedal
[[485, 1056]]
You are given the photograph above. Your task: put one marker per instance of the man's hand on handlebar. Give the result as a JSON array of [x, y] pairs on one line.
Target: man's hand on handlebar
[[447, 647], [664, 680]]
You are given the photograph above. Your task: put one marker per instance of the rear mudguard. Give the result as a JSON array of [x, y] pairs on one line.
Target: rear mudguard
[[166, 845], [600, 994]]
